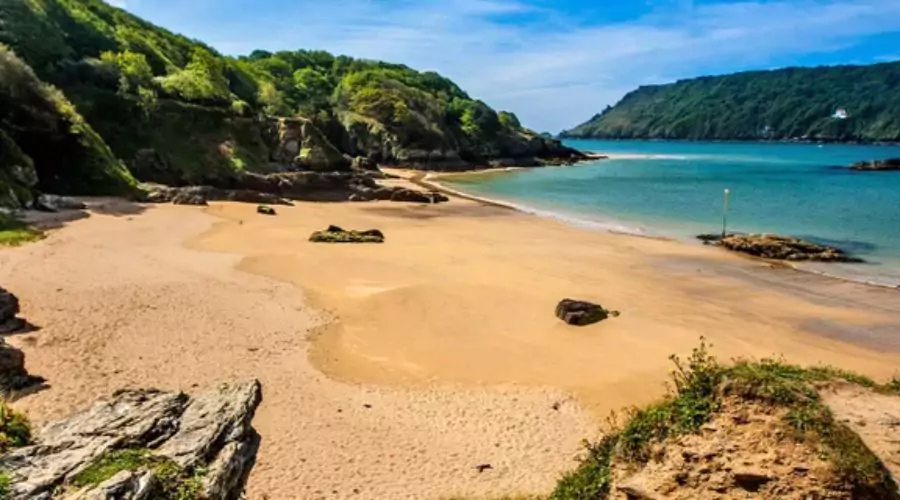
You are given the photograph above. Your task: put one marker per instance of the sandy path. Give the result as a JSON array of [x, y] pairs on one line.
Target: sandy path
[[121, 302]]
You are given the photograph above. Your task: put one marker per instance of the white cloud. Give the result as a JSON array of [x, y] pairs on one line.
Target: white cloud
[[118, 3], [552, 69]]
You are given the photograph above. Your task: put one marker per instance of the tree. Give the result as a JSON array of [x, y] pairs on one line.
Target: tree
[[135, 77]]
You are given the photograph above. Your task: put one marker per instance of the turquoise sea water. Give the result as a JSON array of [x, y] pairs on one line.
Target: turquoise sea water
[[676, 189]]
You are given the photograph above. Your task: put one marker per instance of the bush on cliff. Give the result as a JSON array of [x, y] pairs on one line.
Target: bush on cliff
[[40, 124]]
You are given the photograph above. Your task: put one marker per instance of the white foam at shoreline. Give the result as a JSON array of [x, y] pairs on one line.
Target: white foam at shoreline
[[889, 281]]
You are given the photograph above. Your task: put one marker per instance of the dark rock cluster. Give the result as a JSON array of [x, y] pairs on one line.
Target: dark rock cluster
[[770, 246]]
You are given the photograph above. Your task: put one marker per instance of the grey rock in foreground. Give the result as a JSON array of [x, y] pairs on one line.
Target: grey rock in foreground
[[209, 432]]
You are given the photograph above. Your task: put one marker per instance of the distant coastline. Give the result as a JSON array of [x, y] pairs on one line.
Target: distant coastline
[[727, 141]]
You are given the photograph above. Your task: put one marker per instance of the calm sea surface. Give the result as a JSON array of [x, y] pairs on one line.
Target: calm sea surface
[[676, 189]]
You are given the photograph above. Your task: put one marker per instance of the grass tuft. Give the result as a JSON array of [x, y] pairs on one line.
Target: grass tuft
[[5, 483], [892, 387], [14, 232], [15, 430], [593, 478], [695, 400]]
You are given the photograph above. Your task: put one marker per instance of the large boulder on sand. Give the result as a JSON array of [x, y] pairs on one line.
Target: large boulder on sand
[[13, 375], [581, 313], [176, 446], [9, 308]]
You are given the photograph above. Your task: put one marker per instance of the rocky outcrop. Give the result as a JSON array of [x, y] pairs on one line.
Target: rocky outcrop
[[581, 313], [55, 203], [877, 165], [335, 234], [366, 189], [200, 195], [190, 196], [298, 143], [9, 309], [276, 189], [769, 246], [203, 445]]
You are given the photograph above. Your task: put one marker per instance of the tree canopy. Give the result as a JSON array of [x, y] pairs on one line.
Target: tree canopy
[[791, 103]]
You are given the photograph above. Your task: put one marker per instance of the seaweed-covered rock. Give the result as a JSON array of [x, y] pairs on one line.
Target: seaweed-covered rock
[[203, 444], [581, 313], [264, 210], [412, 196], [770, 246], [335, 234], [877, 165]]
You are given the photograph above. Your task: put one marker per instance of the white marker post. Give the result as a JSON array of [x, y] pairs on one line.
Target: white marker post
[[725, 213]]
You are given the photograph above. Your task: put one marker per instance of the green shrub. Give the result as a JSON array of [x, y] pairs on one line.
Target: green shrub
[[68, 155], [593, 477], [15, 430]]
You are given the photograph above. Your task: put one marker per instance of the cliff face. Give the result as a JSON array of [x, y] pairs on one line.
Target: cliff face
[[45, 144], [842, 103]]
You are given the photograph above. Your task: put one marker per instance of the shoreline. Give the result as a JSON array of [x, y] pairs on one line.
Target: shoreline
[[734, 141], [431, 181]]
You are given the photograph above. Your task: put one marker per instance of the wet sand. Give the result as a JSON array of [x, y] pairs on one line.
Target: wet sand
[[446, 331], [465, 293]]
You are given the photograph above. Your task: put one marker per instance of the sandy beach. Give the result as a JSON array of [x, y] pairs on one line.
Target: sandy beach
[[391, 371]]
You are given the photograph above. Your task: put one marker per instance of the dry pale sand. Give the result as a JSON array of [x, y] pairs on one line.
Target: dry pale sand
[[120, 302], [447, 331]]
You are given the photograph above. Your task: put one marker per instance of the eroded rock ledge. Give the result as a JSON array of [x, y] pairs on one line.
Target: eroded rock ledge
[[144, 444]]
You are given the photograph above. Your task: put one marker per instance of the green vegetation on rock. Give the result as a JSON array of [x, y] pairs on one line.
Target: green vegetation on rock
[[701, 387], [46, 144], [15, 430], [175, 483], [791, 103], [14, 232]]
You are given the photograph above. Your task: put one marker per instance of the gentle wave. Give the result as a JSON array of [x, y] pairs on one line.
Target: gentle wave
[[834, 271]]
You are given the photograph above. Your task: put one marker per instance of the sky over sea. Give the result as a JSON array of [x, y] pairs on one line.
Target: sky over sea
[[554, 63]]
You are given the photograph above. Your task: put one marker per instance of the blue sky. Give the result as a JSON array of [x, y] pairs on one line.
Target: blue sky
[[554, 63]]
